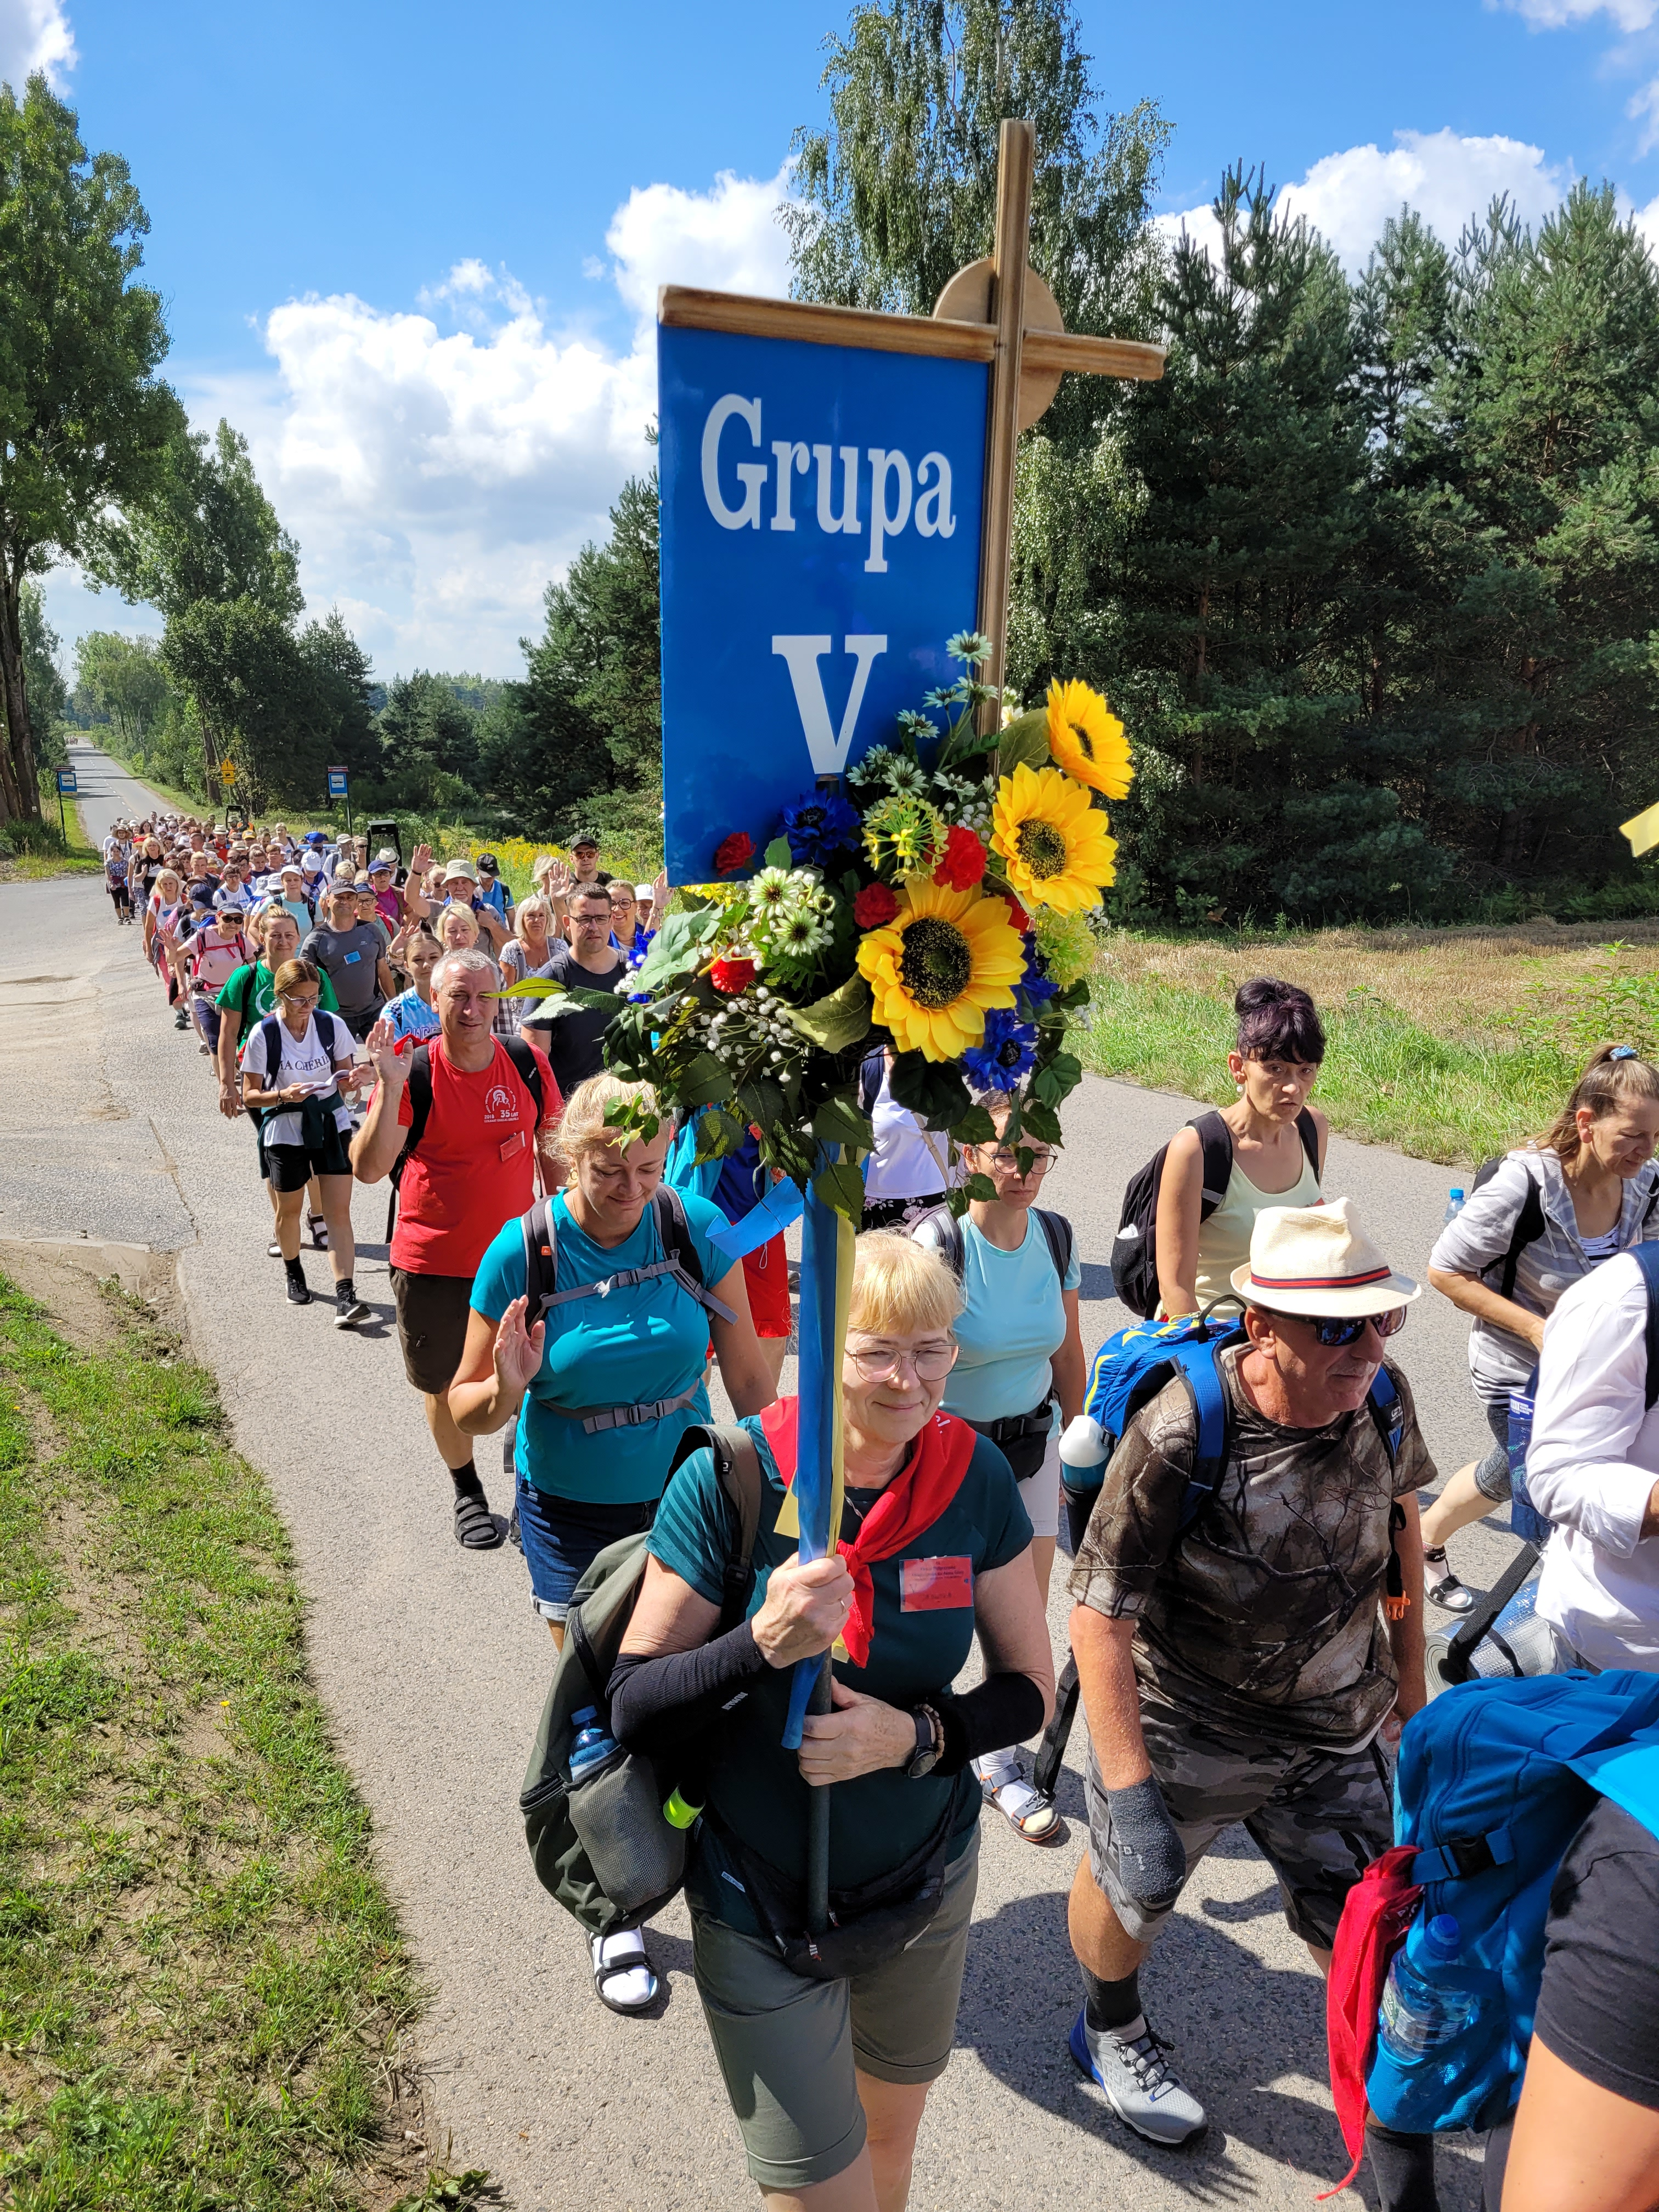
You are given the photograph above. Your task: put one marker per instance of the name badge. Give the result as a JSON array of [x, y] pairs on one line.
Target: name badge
[[513, 1145], [935, 1585], [352, 958]]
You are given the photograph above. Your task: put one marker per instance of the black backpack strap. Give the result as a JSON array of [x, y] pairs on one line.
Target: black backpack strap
[[419, 1107], [1057, 1231], [541, 1260], [737, 1463], [523, 1057], [1529, 1228], [674, 1231], [272, 1029], [1308, 1129], [1216, 1142], [871, 1070], [948, 1242], [1647, 1258]]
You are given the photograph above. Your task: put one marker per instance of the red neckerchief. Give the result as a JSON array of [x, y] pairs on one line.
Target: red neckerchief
[[911, 1502]]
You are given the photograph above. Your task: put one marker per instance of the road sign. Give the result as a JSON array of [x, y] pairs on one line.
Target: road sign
[[820, 542], [66, 780], [837, 501], [337, 781], [227, 771]]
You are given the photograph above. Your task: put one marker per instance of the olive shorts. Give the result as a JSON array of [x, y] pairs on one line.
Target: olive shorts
[[788, 2047]]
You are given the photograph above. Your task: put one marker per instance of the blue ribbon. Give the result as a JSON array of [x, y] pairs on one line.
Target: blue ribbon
[[766, 1218]]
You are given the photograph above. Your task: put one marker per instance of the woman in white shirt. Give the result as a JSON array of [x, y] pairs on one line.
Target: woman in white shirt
[[910, 1170]]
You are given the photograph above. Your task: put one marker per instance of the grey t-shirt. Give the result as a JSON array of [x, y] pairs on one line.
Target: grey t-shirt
[[1477, 1240], [348, 958]]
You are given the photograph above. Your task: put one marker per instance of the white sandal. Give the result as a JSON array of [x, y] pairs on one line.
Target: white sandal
[[1028, 1812]]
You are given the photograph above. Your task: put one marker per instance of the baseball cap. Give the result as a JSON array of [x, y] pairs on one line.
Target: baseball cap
[[291, 868], [645, 890], [381, 867], [584, 838], [487, 865], [310, 864]]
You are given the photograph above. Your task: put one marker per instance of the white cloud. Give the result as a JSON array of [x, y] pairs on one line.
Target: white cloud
[[35, 34], [1646, 103], [1348, 196], [1556, 14], [1647, 222], [438, 463]]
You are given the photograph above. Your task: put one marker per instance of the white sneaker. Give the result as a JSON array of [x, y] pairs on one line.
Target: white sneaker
[[1140, 2086]]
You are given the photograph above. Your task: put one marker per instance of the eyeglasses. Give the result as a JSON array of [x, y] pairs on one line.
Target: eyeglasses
[[930, 1363], [299, 1005], [1334, 1334], [1007, 1156]]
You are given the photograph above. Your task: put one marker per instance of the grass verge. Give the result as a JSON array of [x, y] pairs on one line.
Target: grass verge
[[41, 850], [1450, 1044], [203, 1984]]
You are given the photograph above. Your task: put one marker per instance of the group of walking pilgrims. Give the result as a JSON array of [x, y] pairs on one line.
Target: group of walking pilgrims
[[1247, 1626]]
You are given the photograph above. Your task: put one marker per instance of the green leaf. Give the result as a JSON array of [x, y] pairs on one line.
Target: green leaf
[[704, 1082], [1041, 1122], [778, 854], [976, 1127], [719, 1135], [1058, 1080], [970, 745], [933, 1089], [981, 1187], [838, 1122], [677, 945], [837, 1021], [1073, 996], [1025, 742], [566, 1001], [842, 1187]]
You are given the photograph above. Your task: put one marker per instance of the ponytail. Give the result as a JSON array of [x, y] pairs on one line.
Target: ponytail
[[1615, 1073]]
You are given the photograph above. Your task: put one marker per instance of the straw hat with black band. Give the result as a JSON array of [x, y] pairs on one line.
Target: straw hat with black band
[[1317, 1261]]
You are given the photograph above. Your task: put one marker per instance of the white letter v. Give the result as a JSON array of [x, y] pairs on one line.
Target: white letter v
[[827, 749]]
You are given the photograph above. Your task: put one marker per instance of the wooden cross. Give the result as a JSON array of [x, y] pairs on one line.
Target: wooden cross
[[997, 310]]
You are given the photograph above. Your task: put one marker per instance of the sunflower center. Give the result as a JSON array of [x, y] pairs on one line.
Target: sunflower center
[[1086, 743], [1041, 849], [937, 961]]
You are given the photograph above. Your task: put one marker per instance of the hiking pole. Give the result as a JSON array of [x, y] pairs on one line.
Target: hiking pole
[[818, 1822]]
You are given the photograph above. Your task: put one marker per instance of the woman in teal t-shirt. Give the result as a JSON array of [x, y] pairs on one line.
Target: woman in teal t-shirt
[[935, 1548], [1021, 1377]]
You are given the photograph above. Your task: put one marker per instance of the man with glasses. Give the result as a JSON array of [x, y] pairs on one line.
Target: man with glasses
[[573, 1039], [1251, 1661]]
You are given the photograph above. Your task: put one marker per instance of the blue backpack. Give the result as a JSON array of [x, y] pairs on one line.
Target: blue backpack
[[1493, 1781], [1130, 1369]]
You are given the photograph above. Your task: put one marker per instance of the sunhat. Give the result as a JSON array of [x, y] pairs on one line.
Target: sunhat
[[1317, 1260], [461, 868]]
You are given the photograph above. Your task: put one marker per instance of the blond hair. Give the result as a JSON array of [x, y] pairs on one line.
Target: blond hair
[[900, 1287], [447, 915], [536, 903], [583, 1127]]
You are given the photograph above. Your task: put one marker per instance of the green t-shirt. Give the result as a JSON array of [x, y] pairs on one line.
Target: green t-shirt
[[256, 978], [753, 1783]]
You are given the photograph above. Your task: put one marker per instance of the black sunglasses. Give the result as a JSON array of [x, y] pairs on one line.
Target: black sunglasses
[[1334, 1334]]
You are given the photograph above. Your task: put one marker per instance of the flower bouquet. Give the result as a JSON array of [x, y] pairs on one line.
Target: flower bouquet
[[936, 897]]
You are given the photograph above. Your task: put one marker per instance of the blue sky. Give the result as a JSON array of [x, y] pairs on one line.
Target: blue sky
[[412, 251]]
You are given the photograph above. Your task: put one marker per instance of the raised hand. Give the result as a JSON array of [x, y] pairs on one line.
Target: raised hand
[[660, 895], [518, 1350], [420, 859], [381, 1046], [558, 881]]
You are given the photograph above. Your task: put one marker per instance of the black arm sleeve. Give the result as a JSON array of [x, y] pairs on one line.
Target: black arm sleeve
[[1004, 1708], [657, 1703]]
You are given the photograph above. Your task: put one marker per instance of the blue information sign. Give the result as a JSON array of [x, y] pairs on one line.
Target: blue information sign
[[821, 514], [66, 779], [336, 783]]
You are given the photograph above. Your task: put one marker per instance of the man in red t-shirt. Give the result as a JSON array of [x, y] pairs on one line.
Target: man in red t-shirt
[[474, 1167]]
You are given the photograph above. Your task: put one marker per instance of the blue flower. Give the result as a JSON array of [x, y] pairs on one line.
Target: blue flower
[[1037, 986], [818, 824], [1009, 1051]]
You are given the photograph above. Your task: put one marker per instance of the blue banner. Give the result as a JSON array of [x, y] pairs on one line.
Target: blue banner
[[821, 514]]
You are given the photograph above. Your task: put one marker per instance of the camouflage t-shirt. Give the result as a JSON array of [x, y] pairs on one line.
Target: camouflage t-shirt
[[1265, 1617]]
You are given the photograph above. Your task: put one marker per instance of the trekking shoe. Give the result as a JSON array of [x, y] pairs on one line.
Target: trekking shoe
[[1446, 1591], [1141, 2089], [298, 1293], [350, 1309], [182, 1020]]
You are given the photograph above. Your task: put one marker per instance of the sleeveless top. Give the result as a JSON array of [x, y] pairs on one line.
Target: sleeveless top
[[1224, 1241]]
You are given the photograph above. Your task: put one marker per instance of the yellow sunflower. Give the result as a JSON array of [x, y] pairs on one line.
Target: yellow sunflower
[[1086, 740], [934, 971], [1053, 843]]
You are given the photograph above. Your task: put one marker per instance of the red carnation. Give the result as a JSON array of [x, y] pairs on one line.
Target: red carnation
[[963, 863], [734, 852], [731, 976], [874, 905], [1017, 913]]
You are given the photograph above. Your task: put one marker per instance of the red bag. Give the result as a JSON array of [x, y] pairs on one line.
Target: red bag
[[1379, 1908]]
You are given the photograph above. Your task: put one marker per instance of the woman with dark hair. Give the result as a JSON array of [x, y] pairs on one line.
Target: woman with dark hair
[[1553, 1210], [1276, 1140]]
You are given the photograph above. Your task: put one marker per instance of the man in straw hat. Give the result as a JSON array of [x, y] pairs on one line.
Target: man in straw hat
[[1242, 1663]]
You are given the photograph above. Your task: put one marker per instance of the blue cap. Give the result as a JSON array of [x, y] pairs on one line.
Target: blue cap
[[1443, 1937]]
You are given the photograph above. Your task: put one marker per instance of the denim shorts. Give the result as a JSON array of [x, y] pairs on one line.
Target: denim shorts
[[564, 1536], [1491, 1477]]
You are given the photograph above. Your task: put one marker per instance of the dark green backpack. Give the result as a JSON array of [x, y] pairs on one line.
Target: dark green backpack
[[603, 1848]]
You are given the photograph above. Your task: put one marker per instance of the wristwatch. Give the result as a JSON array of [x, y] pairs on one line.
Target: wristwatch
[[930, 1742]]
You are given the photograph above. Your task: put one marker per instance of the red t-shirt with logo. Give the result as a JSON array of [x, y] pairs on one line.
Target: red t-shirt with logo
[[474, 1167]]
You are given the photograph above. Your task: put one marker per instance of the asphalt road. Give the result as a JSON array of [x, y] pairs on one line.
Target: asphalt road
[[434, 1668]]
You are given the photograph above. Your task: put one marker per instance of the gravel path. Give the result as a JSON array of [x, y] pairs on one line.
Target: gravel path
[[434, 1668]]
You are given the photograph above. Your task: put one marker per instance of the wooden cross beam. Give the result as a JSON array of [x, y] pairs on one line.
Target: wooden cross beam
[[997, 310]]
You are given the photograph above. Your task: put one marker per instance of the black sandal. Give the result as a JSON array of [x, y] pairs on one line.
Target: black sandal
[[623, 1962], [477, 1528]]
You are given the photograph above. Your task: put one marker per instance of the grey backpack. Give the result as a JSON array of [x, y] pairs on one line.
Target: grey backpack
[[602, 1847]]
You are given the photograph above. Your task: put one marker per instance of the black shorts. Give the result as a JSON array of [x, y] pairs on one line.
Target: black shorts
[[292, 1166], [360, 1020], [433, 1313]]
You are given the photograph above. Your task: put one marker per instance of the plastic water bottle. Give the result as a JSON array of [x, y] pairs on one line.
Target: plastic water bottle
[[1418, 2015], [593, 1744], [1454, 1206]]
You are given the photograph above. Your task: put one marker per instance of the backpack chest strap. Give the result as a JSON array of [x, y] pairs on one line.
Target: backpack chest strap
[[598, 1421], [1464, 1856], [626, 1280]]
